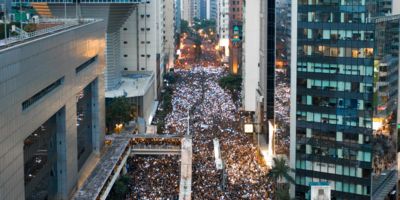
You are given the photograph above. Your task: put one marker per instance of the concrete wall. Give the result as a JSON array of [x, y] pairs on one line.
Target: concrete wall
[[144, 37], [28, 68], [251, 54]]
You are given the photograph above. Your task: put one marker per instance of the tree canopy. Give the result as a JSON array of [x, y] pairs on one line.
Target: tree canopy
[[119, 111]]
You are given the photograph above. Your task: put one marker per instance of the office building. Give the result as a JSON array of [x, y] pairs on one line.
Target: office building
[[211, 9], [203, 9], [52, 109], [223, 28], [178, 16], [135, 46], [251, 54], [344, 80]]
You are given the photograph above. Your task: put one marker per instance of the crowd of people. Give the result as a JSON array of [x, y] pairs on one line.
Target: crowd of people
[[154, 177], [201, 106], [282, 111], [214, 115]]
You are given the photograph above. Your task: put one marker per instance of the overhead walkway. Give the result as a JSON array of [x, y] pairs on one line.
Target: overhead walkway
[[98, 185], [142, 149]]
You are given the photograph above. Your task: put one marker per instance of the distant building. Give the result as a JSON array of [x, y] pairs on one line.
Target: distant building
[[223, 28], [203, 9], [212, 9]]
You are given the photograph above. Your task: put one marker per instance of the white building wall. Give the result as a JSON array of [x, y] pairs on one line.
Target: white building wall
[[28, 68], [186, 11], [142, 38], [169, 33], [251, 54], [396, 7], [293, 91], [223, 26]]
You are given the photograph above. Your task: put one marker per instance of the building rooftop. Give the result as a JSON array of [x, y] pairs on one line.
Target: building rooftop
[[40, 28], [133, 84]]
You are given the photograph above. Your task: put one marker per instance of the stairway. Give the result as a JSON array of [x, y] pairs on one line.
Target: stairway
[[42, 9]]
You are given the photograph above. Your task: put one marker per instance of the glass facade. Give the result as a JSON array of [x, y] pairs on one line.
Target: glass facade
[[346, 94], [84, 125], [40, 162]]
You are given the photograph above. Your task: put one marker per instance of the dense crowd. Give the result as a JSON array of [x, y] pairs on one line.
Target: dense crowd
[[154, 177], [282, 110], [213, 114]]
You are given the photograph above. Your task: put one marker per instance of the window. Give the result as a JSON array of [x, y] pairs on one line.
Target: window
[[125, 55], [125, 29], [85, 64], [27, 103]]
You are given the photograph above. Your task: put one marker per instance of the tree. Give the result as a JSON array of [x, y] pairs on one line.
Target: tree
[[282, 194], [185, 26], [231, 82], [119, 111], [280, 172], [119, 189]]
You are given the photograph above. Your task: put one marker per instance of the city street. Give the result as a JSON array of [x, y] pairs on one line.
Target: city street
[[213, 115]]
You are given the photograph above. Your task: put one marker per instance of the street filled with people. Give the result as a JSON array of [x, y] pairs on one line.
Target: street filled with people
[[282, 111], [153, 177], [202, 109]]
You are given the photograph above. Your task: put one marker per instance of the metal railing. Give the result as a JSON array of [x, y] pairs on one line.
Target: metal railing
[[62, 24]]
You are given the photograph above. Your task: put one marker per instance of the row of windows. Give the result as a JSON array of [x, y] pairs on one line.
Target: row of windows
[[333, 136], [142, 55], [331, 102], [321, 50], [351, 16], [356, 121], [335, 86], [336, 185], [335, 68], [27, 103], [333, 2], [334, 35], [85, 64], [333, 169], [342, 153]]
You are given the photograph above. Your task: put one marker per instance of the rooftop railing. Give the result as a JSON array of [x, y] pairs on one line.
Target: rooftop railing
[[59, 25]]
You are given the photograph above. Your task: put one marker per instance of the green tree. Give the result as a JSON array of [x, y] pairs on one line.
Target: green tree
[[280, 172], [282, 194], [119, 111], [185, 27], [231, 82], [119, 189]]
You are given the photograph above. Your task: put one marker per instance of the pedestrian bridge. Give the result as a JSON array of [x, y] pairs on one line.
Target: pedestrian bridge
[[143, 149]]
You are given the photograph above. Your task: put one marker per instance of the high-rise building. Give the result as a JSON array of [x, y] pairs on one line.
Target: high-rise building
[[251, 53], [211, 9], [52, 113], [178, 16], [344, 80], [135, 46], [223, 27], [186, 13], [266, 86], [202, 9]]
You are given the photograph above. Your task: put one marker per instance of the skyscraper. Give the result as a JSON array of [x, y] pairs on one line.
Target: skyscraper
[[344, 71]]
